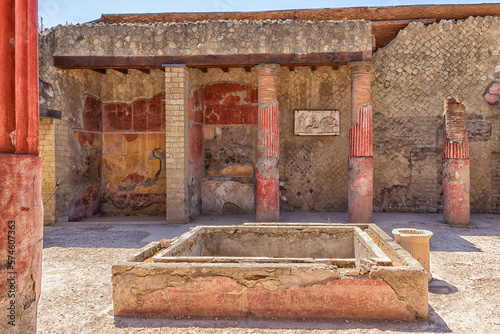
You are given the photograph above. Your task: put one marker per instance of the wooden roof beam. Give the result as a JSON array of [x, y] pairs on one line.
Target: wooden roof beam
[[204, 61]]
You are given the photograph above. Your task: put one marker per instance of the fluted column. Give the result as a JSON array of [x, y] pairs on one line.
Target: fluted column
[[360, 191], [267, 172]]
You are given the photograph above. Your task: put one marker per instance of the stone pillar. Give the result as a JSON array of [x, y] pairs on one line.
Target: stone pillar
[[21, 210], [456, 167], [360, 145], [177, 131], [267, 172]]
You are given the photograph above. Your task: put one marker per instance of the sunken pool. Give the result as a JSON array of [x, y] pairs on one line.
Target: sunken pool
[[273, 270]]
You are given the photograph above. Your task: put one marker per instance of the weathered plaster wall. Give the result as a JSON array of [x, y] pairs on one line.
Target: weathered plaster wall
[[133, 128], [196, 103], [109, 146], [411, 78], [76, 148], [228, 105]]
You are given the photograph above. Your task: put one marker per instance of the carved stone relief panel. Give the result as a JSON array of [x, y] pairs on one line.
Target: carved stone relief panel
[[316, 123]]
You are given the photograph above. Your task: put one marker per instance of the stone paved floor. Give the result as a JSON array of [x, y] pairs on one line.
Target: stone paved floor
[[77, 259]]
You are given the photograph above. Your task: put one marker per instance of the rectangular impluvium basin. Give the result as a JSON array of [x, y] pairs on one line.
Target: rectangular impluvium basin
[[273, 270], [344, 247]]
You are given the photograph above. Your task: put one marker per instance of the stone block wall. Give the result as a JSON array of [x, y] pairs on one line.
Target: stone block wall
[[411, 78], [212, 38]]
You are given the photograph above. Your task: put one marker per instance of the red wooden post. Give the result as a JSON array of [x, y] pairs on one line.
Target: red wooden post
[[360, 146], [21, 210], [456, 166], [267, 172]]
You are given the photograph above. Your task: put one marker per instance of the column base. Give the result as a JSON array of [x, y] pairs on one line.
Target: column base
[[360, 192], [267, 202], [21, 231]]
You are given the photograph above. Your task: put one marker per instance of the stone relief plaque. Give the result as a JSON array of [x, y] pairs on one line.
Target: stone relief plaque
[[316, 123]]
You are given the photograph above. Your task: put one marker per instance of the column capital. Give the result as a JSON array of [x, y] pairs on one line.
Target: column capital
[[268, 65], [265, 69], [360, 66]]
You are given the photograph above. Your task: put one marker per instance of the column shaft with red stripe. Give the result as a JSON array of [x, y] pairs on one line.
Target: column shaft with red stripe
[[21, 209], [456, 165], [360, 145], [267, 172]]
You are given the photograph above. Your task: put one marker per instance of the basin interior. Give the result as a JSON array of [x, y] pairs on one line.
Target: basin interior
[[270, 242]]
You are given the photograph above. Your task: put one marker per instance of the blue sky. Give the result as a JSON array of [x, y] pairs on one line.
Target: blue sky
[[56, 12]]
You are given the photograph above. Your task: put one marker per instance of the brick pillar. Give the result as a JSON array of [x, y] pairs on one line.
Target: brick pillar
[[176, 131], [21, 210], [456, 167], [360, 145], [267, 172]]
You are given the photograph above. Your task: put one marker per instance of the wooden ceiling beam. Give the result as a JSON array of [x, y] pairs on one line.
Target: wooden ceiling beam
[[204, 61]]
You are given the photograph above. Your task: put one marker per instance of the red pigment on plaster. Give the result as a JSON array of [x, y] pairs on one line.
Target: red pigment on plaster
[[360, 134], [134, 179], [87, 205], [360, 192], [196, 144], [224, 104], [141, 115], [92, 113], [268, 121], [195, 105], [223, 296]]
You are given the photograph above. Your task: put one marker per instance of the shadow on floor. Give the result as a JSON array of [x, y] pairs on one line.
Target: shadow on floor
[[113, 233], [434, 324]]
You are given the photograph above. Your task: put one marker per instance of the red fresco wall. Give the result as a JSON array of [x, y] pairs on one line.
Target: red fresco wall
[[222, 138], [131, 176]]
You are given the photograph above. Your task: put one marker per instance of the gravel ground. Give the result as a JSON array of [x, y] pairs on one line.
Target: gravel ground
[[77, 292]]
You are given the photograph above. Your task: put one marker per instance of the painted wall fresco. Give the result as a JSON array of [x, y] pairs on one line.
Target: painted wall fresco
[[228, 141], [90, 143], [133, 170]]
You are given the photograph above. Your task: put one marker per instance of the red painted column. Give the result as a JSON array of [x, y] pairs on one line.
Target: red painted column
[[360, 145], [21, 210], [267, 172], [456, 166]]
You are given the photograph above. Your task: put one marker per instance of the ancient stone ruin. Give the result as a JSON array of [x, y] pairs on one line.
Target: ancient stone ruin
[[236, 113]]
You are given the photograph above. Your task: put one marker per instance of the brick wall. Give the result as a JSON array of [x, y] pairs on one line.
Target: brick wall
[[176, 146], [47, 151]]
